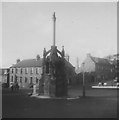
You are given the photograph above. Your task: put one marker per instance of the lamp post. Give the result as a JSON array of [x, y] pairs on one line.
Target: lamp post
[[83, 81]]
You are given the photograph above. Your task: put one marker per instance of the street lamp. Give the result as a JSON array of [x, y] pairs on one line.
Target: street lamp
[[83, 81]]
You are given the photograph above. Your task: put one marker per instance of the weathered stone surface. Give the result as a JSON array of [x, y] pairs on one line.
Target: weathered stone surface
[[46, 85], [34, 89]]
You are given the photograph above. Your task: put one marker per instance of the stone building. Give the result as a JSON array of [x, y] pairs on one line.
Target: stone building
[[97, 69], [29, 71], [71, 74], [4, 75], [114, 60], [26, 72]]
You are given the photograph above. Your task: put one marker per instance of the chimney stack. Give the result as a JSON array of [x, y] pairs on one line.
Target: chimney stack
[[88, 54], [18, 60], [38, 57]]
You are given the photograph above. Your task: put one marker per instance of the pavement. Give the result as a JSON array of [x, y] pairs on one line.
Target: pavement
[[98, 103]]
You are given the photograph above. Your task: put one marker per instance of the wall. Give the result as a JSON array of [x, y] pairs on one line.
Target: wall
[[89, 65], [22, 76], [104, 72]]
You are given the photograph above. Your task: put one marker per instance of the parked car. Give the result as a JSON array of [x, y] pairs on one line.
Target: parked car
[[117, 84], [115, 80]]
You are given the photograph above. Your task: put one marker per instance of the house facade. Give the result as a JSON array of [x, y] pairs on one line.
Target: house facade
[[97, 69], [26, 72], [114, 60], [29, 71], [4, 75]]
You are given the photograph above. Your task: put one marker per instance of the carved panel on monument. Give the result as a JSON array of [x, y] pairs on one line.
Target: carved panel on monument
[[61, 82], [46, 85], [52, 86], [41, 86]]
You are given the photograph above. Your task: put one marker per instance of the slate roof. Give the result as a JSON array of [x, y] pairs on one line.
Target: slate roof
[[100, 60], [29, 63], [36, 63], [68, 64]]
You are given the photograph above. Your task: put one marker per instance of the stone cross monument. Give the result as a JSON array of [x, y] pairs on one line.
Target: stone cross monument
[[53, 81]]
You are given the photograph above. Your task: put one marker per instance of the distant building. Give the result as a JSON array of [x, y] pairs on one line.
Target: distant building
[[97, 69], [112, 57], [114, 60], [4, 75], [26, 72], [71, 74], [70, 70]]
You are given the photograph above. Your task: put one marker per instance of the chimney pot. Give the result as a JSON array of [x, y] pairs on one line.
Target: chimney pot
[[18, 60], [88, 54], [38, 57]]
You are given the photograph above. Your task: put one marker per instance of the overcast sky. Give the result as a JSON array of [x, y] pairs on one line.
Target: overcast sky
[[27, 28]]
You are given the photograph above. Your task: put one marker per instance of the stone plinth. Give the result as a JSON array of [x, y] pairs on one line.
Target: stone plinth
[[34, 89], [46, 85]]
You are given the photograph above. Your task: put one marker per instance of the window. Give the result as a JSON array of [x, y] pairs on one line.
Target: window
[[31, 80], [36, 70], [11, 78], [36, 80], [21, 70], [12, 70], [20, 79], [40, 70], [31, 70], [25, 79], [16, 78], [26, 70]]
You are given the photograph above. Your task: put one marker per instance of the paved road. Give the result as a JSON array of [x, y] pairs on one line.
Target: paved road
[[96, 104]]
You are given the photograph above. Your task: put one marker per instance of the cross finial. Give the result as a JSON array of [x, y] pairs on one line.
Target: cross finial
[[54, 20]]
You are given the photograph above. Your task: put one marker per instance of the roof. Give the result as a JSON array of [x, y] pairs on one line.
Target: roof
[[36, 63], [68, 64], [100, 60], [29, 63]]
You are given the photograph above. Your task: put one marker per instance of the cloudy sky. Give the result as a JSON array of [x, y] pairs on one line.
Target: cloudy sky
[[82, 27]]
